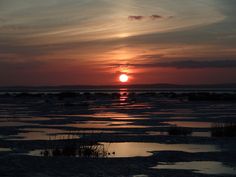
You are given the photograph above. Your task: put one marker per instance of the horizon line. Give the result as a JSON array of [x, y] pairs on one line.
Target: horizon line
[[121, 85]]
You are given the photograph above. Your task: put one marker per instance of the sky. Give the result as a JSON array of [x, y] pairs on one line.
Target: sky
[[92, 42]]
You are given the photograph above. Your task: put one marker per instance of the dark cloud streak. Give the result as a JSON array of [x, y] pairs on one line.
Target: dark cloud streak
[[135, 17], [155, 17], [185, 64], [140, 17]]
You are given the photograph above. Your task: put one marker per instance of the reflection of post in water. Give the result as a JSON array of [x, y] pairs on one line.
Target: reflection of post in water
[[124, 95]]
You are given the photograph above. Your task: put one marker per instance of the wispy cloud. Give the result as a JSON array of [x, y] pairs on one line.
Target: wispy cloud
[[184, 64], [199, 64]]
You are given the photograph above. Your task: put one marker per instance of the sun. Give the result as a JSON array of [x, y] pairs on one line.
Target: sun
[[124, 78]]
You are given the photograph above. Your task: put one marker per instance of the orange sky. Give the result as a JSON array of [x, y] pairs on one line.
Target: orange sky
[[92, 42]]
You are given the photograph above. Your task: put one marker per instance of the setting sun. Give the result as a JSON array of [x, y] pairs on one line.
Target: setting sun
[[124, 78]]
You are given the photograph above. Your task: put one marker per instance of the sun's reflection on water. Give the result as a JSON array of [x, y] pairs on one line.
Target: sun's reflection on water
[[123, 95]]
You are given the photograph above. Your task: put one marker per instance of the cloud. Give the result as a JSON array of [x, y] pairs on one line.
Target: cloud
[[155, 17], [185, 64], [199, 64], [136, 17], [140, 17]]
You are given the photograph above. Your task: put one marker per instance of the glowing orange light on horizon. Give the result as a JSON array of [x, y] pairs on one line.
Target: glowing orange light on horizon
[[124, 78]]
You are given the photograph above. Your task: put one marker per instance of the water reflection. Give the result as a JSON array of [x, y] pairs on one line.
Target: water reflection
[[108, 120], [123, 95], [136, 149], [205, 167], [5, 149], [104, 125], [195, 134], [117, 116], [108, 115], [189, 124], [15, 124], [133, 149], [51, 133], [201, 134], [39, 134], [111, 115]]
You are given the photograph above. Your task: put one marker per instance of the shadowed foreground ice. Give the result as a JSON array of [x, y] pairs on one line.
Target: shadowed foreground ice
[[117, 133]]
